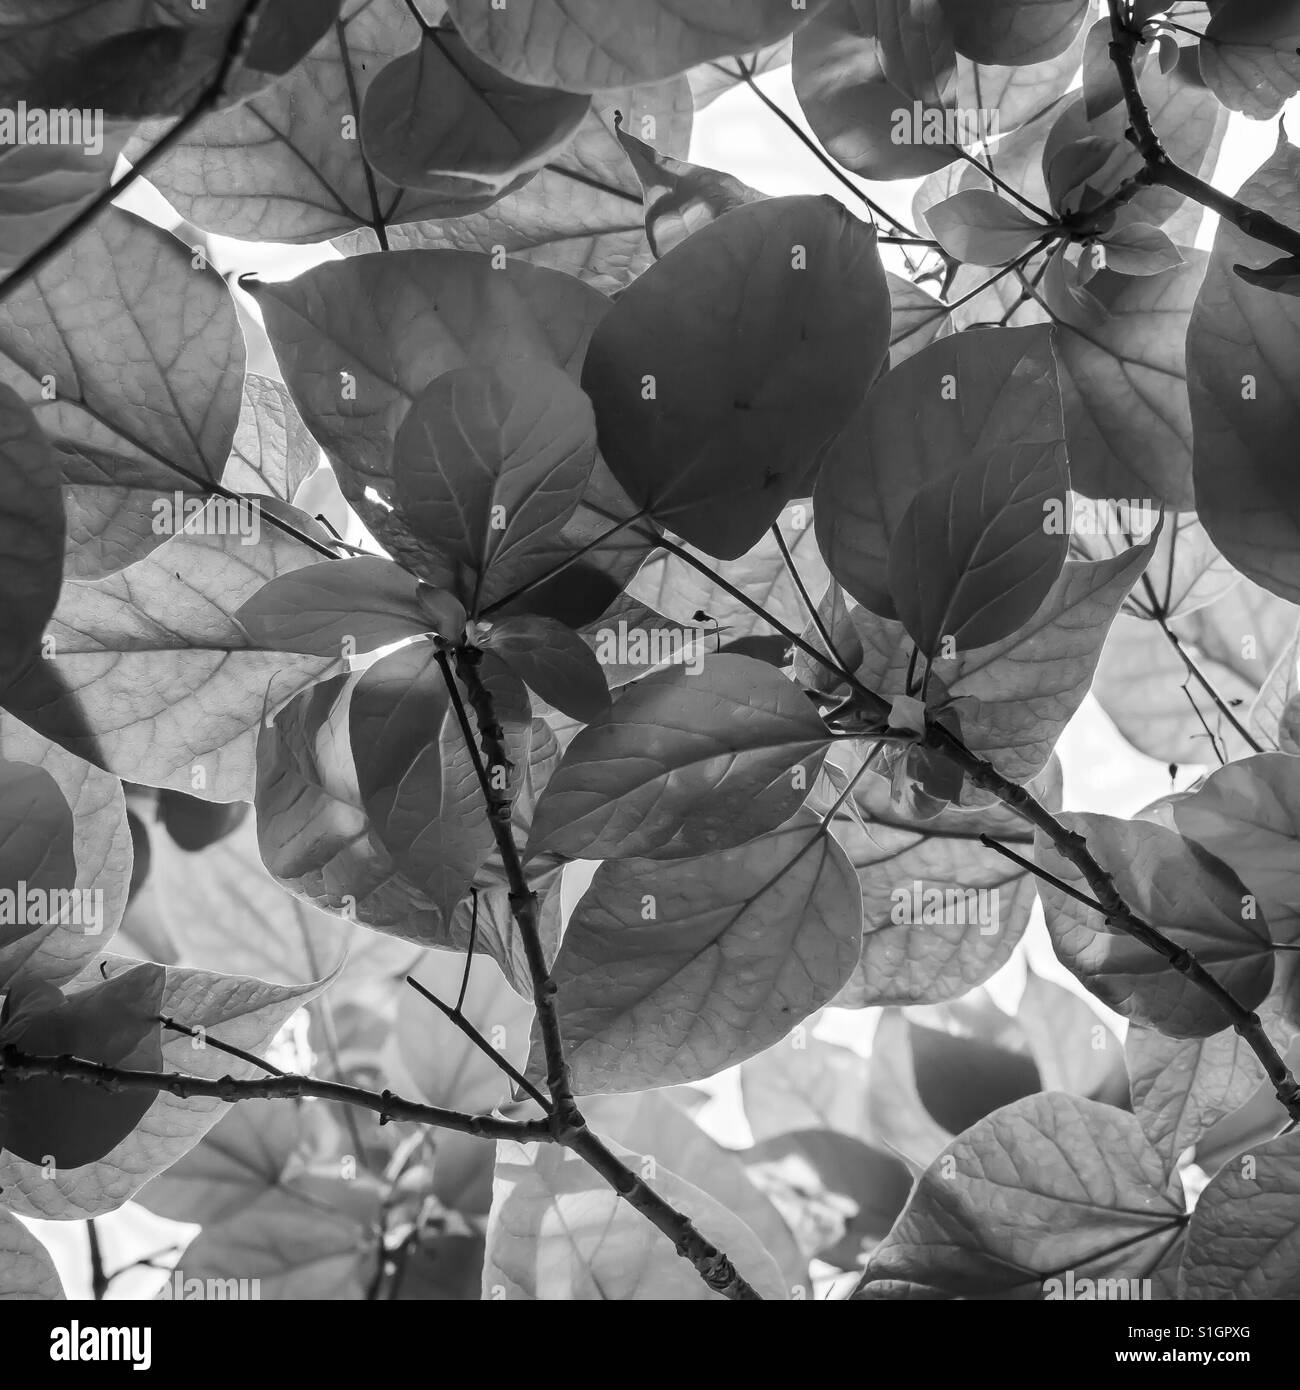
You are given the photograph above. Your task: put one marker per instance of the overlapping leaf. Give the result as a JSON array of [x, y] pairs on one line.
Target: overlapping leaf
[[1193, 898], [672, 972], [683, 765], [1242, 346], [584, 45], [132, 360], [690, 414]]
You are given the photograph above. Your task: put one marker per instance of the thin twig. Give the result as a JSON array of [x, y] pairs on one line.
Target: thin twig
[[23, 1066], [458, 1020], [99, 1280], [787, 558], [1000, 182], [219, 1046], [1030, 867]]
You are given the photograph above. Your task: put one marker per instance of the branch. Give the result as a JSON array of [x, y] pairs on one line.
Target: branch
[[23, 1066], [1160, 169], [99, 1279], [567, 1125], [746, 74], [1118, 914]]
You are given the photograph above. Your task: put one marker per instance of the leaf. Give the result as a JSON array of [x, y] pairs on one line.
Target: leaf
[[292, 1232], [688, 409], [417, 780], [1248, 815], [1014, 31], [151, 675], [603, 1249], [1101, 84], [1072, 1048], [134, 69], [455, 311], [27, 1273], [1183, 1086], [43, 187], [974, 557], [1187, 894], [917, 317], [61, 1124], [681, 198], [280, 166], [668, 973], [1274, 711], [440, 112], [489, 466], [655, 1122], [1128, 424], [838, 1194], [1241, 348], [226, 913], [942, 912], [101, 845], [1049, 1184], [709, 81], [150, 329], [898, 1119], [1140, 678], [240, 1012], [961, 396], [962, 1078], [806, 1083], [1249, 55], [1243, 1241], [1063, 293], [981, 228], [1016, 94], [36, 854], [1192, 126], [582, 212], [861, 118], [554, 663], [273, 453], [672, 587], [447, 1069], [1016, 696], [1141, 249], [684, 765], [338, 608], [318, 839], [592, 44], [1289, 727], [1068, 170]]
